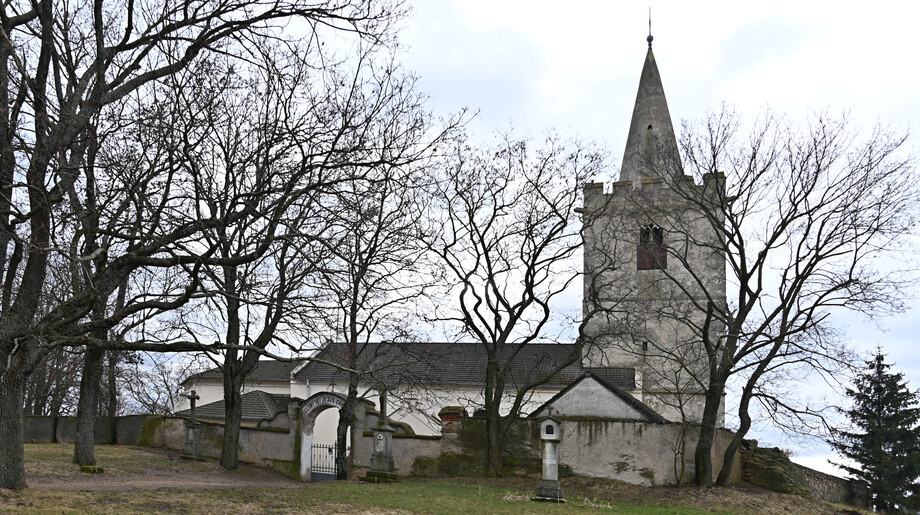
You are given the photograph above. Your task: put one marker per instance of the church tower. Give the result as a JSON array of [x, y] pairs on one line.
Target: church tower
[[650, 266]]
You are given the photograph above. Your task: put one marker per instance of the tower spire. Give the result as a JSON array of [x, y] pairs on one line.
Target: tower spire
[[651, 147]]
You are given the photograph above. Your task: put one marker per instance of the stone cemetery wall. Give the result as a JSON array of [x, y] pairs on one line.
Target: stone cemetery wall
[[40, 429], [835, 489], [46, 429], [464, 452], [268, 446], [407, 446], [636, 452], [770, 467]]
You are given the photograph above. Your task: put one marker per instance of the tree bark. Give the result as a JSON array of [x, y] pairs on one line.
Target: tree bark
[[233, 415], [346, 416], [493, 396], [703, 455], [12, 451], [745, 418], [84, 442], [493, 430], [235, 371]]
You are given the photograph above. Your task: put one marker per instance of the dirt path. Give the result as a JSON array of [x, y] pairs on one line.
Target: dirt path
[[149, 469]]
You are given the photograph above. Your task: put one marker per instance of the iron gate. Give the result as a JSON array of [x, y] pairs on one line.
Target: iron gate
[[323, 462]]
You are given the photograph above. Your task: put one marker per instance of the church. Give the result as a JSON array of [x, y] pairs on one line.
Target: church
[[629, 409], [648, 276]]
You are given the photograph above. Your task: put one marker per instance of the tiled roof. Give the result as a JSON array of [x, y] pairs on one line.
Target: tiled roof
[[266, 371], [257, 405], [621, 377], [457, 364]]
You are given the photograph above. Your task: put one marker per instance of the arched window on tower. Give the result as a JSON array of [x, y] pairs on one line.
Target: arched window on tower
[[651, 253]]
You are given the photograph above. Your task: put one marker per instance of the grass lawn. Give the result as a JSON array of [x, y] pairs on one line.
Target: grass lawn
[[433, 497], [146, 481]]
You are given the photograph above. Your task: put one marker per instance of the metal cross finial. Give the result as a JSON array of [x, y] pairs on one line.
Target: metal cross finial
[[192, 397], [649, 38]]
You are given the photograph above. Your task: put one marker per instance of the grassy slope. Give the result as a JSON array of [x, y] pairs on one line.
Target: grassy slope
[[126, 467]]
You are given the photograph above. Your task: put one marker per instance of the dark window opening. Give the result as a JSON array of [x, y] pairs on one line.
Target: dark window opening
[[651, 253], [549, 430], [650, 127]]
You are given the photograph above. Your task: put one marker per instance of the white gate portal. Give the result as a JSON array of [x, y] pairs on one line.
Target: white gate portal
[[309, 410]]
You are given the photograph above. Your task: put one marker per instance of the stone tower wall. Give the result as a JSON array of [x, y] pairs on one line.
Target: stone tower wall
[[653, 319]]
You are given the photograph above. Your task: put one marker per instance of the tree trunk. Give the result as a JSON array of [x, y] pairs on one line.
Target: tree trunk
[[233, 414], [112, 410], [703, 455], [493, 396], [346, 416], [12, 452], [234, 372], [680, 449], [493, 432], [728, 461], [84, 451]]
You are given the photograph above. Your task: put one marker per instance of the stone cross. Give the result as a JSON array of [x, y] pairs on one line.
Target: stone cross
[[383, 407], [192, 433], [192, 397], [382, 465]]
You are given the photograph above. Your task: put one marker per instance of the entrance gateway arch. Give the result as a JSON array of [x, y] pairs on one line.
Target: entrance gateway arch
[[309, 410]]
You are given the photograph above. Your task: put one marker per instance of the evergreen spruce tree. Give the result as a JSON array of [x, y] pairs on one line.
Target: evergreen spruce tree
[[885, 441]]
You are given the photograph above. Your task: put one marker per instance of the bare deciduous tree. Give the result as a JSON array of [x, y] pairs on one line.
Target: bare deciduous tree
[[508, 234], [151, 381], [377, 269], [805, 221], [63, 65]]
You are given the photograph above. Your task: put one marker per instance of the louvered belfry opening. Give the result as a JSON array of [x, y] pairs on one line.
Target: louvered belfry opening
[[650, 253]]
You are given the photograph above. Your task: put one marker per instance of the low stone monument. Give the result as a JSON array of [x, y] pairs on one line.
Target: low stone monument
[[550, 435], [383, 469], [192, 433]]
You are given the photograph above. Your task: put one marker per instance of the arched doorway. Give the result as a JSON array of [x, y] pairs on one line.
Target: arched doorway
[[309, 410]]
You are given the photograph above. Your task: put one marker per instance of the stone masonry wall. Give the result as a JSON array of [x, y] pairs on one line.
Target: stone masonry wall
[[770, 467], [407, 448], [271, 447], [47, 429], [835, 489], [634, 452]]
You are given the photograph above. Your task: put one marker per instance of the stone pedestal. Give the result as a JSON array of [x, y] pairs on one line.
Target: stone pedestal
[[549, 490], [192, 441], [383, 468], [550, 435]]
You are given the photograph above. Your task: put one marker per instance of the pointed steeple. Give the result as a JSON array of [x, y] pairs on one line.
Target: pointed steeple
[[651, 141]]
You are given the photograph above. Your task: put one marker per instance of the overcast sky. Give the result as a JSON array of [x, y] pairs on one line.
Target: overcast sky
[[574, 67]]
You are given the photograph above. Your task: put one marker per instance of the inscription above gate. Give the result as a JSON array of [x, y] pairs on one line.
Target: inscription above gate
[[322, 400]]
